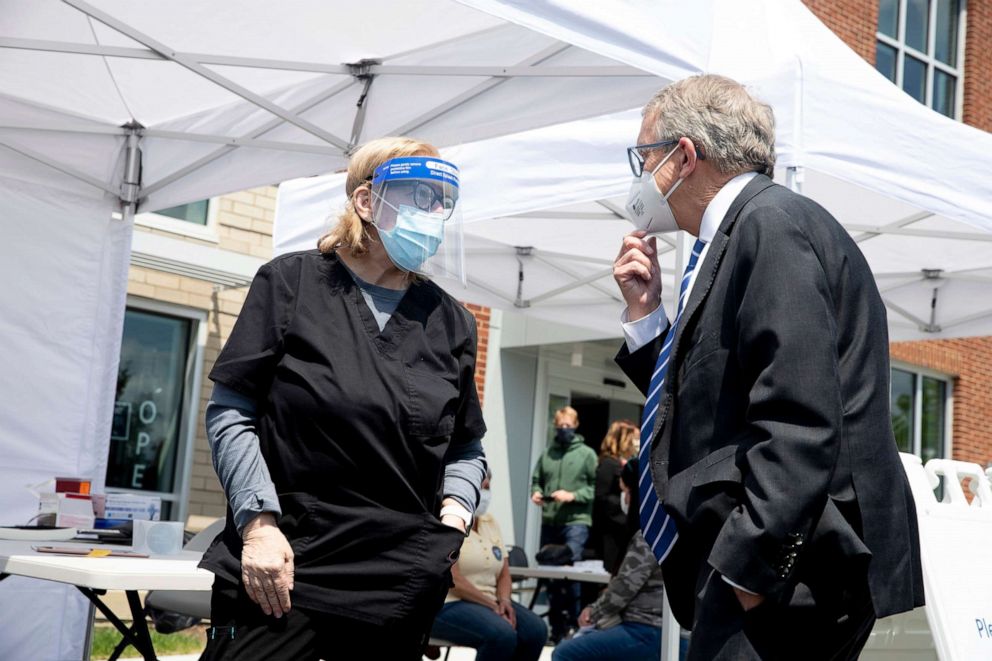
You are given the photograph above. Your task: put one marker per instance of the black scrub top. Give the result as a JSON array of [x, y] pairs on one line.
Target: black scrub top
[[354, 425]]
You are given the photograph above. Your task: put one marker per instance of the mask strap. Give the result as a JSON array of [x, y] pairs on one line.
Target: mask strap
[[678, 183], [383, 201]]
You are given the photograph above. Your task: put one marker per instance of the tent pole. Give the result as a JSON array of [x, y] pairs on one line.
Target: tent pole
[[131, 182], [794, 178]]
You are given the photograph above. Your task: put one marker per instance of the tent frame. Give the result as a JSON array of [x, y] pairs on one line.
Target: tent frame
[[364, 73]]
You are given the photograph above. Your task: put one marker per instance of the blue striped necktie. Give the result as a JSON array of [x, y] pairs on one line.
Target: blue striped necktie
[[657, 526]]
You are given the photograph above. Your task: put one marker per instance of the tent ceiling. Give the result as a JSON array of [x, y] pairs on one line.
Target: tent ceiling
[[934, 273], [222, 100]]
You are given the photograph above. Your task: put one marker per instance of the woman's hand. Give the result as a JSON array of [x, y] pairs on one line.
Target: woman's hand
[[563, 496], [504, 608], [267, 565], [537, 498], [585, 617]]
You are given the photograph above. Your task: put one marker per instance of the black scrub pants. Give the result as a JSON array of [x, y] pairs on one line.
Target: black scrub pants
[[241, 631]]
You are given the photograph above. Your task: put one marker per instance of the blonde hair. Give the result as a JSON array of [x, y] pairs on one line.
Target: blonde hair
[[566, 412], [621, 440], [735, 131], [350, 230]]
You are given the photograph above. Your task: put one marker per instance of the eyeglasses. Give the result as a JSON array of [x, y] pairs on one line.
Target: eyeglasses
[[637, 154], [426, 197]]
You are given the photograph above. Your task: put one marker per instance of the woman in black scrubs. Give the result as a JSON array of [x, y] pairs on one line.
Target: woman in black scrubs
[[346, 429]]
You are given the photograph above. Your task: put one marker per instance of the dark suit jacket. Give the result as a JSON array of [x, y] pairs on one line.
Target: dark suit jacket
[[773, 447]]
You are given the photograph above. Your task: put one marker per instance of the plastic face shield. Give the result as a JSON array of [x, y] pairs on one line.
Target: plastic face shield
[[415, 210]]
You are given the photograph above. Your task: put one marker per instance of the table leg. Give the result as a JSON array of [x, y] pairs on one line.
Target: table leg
[[88, 641], [137, 634], [140, 626], [541, 583]]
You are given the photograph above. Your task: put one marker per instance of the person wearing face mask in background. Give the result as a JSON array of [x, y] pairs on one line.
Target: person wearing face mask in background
[[624, 623], [563, 484], [346, 429], [478, 611], [610, 532], [771, 486]]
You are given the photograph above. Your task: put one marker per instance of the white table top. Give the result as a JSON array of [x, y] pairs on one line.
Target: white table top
[[562, 572], [159, 572]]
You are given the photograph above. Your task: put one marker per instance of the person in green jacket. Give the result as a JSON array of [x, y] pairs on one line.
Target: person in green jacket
[[563, 484]]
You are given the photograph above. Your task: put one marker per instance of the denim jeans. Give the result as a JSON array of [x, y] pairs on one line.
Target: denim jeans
[[628, 641], [564, 596], [474, 625]]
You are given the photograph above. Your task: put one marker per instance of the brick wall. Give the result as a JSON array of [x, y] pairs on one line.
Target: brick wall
[[481, 314], [854, 21], [969, 361], [978, 65]]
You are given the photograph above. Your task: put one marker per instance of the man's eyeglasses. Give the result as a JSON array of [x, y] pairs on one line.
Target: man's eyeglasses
[[637, 154], [426, 197]]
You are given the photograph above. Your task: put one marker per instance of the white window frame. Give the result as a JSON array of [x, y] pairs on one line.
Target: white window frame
[[919, 372], [193, 382], [931, 62], [171, 225]]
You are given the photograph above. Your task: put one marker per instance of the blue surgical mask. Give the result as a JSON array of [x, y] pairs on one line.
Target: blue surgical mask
[[414, 238]]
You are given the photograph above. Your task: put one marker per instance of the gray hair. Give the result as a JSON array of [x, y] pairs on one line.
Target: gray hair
[[736, 132]]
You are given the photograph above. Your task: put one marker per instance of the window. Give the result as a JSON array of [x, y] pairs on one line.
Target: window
[[197, 220], [919, 406], [194, 212], [151, 435], [918, 48]]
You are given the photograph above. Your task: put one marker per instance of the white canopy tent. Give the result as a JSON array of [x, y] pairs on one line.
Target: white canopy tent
[[563, 187], [114, 105]]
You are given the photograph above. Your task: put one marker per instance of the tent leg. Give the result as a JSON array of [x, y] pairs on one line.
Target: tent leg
[[794, 178], [670, 634]]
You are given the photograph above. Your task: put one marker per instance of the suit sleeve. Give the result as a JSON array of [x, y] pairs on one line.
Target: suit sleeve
[[639, 365], [786, 346]]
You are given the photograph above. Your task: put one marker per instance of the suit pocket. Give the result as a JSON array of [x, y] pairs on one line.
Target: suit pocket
[[703, 495], [703, 348], [719, 466]]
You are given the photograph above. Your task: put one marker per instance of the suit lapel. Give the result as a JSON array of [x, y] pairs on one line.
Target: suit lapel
[[705, 277]]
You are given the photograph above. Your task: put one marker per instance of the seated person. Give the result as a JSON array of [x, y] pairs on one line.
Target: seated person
[[478, 611], [624, 624]]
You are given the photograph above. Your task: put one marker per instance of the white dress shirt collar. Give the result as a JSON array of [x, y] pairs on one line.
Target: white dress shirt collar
[[718, 207]]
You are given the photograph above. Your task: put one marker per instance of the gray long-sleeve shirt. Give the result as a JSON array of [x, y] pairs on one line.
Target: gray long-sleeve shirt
[[237, 457]]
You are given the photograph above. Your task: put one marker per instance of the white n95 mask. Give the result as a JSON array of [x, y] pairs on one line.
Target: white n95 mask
[[646, 205]]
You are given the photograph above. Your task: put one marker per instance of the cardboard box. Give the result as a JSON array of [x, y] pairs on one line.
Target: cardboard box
[[72, 510], [131, 506]]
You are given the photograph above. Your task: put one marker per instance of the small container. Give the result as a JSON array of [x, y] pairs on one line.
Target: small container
[[158, 537], [73, 485]]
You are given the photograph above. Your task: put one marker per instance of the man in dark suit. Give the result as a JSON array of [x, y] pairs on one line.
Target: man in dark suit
[[782, 514]]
